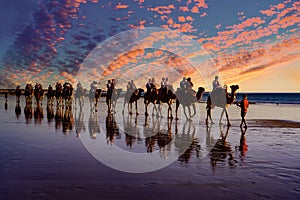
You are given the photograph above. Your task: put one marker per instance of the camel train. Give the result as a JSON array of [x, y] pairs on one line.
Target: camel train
[[185, 96]]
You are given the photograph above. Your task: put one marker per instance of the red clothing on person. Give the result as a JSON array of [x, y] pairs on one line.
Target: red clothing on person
[[244, 105]]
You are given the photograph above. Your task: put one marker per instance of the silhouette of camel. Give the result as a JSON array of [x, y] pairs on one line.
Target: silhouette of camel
[[94, 96], [131, 98], [157, 96], [187, 100], [220, 98], [111, 100]]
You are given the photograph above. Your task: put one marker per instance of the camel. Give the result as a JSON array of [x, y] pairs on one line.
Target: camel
[[38, 93], [50, 96], [58, 93], [79, 94], [220, 98], [67, 93], [187, 100], [111, 100], [18, 93], [132, 97], [94, 96], [28, 93], [159, 97]]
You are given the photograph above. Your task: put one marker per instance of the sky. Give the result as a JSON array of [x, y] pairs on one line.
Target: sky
[[255, 44]]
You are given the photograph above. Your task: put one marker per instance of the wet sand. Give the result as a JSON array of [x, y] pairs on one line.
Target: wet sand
[[40, 159]]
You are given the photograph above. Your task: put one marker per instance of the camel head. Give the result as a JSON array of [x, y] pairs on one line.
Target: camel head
[[231, 98], [200, 93]]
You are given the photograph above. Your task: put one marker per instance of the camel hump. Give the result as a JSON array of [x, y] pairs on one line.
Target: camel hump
[[218, 97]]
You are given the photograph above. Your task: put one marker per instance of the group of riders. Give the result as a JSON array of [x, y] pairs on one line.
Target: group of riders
[[66, 89]]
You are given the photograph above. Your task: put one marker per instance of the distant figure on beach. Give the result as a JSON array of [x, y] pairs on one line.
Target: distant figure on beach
[[18, 93], [244, 104], [216, 83]]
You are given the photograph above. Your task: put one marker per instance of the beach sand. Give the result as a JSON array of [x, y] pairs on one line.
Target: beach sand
[[41, 161]]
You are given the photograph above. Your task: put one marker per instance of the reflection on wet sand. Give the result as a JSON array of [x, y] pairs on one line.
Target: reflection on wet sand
[[145, 134], [112, 129], [221, 150], [18, 109], [94, 126], [79, 122], [38, 113], [64, 119], [28, 111]]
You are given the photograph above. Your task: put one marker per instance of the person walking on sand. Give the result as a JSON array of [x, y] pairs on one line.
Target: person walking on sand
[[244, 104], [208, 111]]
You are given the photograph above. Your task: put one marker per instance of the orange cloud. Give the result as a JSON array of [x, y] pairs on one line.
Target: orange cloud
[[181, 18], [195, 9], [121, 6]]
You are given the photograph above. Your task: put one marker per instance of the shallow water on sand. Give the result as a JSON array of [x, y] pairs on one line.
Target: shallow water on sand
[[45, 155]]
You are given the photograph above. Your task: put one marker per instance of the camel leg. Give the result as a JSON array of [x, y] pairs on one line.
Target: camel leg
[[222, 113], [176, 110], [136, 108], [189, 109], [185, 113], [227, 116], [130, 108], [194, 109], [170, 111], [146, 109]]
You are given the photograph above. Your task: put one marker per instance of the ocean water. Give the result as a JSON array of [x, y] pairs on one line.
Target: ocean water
[[270, 98]]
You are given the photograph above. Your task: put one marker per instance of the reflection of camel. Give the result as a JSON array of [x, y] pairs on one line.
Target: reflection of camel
[[221, 150], [79, 122], [58, 116], [38, 114], [185, 141], [220, 98], [79, 94], [131, 98], [112, 129], [93, 125], [187, 99], [50, 113], [130, 130], [28, 111], [68, 120], [18, 109]]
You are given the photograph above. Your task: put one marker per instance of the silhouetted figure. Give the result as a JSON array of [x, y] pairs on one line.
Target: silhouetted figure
[[244, 104], [208, 110], [18, 93], [6, 104], [216, 83]]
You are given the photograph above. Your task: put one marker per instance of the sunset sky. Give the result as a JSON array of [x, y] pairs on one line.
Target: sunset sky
[[255, 44]]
